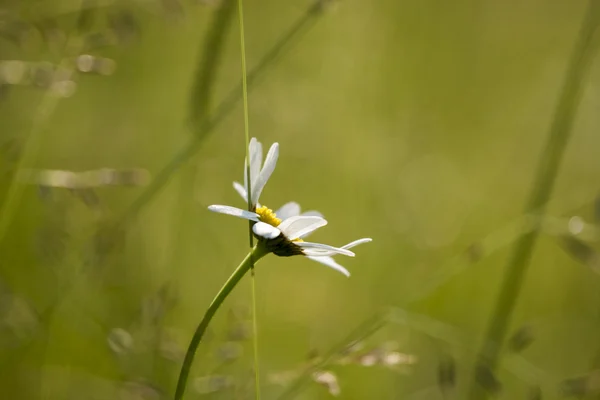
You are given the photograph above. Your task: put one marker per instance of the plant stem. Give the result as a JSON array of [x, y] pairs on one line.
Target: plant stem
[[253, 256], [548, 167], [249, 197], [245, 101], [246, 120]]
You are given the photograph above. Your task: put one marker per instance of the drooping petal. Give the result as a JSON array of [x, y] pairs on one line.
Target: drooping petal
[[236, 212], [265, 173], [356, 243], [314, 248], [297, 226], [318, 253], [288, 210], [241, 190], [330, 262], [265, 230]]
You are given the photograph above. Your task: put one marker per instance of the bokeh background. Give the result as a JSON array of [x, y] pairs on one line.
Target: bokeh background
[[419, 124]]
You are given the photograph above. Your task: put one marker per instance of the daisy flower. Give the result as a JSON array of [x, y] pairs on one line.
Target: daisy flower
[[282, 232], [288, 210]]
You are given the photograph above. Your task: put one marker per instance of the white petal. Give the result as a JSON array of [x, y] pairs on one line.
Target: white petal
[[356, 243], [322, 247], [319, 253], [291, 209], [241, 190], [256, 153], [265, 173], [245, 174], [312, 213], [265, 230], [330, 262], [236, 212], [294, 227]]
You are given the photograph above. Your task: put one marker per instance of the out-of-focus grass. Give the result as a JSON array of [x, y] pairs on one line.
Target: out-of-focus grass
[[418, 124]]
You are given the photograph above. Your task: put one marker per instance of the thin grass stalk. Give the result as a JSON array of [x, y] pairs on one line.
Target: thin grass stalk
[[249, 197], [549, 164]]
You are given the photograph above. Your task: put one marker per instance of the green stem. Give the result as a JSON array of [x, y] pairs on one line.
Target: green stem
[[255, 254], [255, 336], [547, 171], [246, 122], [249, 196]]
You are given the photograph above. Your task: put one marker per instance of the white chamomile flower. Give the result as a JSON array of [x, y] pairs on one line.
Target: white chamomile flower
[[283, 238], [282, 232]]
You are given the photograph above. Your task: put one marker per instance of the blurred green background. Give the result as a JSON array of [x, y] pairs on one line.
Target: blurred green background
[[418, 124]]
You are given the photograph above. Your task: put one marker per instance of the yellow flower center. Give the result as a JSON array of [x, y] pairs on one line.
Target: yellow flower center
[[268, 216]]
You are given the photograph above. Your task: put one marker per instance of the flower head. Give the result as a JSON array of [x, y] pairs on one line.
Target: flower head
[[282, 232]]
